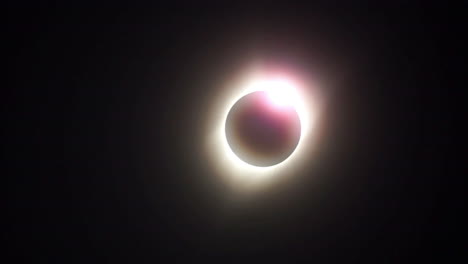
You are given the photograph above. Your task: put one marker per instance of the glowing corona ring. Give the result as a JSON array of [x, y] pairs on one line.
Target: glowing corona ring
[[280, 90]]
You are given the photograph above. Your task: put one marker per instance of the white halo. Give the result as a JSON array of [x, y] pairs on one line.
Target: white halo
[[281, 90]]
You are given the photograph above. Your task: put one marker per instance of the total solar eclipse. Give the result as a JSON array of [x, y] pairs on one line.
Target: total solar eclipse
[[263, 128], [260, 128]]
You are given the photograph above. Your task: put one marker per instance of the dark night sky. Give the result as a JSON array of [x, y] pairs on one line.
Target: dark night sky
[[106, 120]]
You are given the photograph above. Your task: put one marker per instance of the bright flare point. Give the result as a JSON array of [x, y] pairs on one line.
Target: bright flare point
[[281, 93]]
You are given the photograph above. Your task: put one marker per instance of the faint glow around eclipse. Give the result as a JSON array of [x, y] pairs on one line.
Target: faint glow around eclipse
[[282, 91]]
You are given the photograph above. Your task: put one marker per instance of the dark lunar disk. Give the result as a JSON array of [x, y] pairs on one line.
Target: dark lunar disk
[[261, 132]]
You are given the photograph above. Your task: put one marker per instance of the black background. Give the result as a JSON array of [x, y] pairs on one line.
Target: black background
[[107, 114]]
